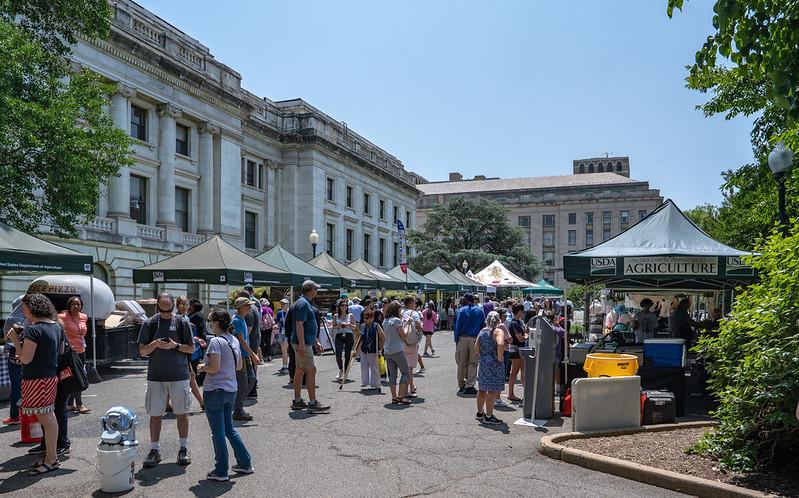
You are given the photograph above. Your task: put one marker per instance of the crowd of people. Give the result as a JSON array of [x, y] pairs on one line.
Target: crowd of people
[[211, 357]]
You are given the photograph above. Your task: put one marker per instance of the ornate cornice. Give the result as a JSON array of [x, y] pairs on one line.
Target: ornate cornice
[[169, 110], [208, 127]]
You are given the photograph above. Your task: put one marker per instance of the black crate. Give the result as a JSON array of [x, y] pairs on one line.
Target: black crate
[[660, 407]]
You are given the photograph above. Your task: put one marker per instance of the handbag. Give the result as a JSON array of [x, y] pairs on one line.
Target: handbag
[[411, 334], [381, 362], [71, 372]]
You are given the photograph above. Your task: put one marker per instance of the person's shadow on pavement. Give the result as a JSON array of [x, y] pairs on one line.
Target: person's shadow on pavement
[[150, 477], [206, 488]]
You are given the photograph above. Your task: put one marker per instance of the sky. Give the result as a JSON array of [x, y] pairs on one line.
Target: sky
[[507, 88]]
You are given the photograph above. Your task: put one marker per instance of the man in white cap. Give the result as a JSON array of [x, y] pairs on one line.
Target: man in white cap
[[245, 378], [280, 320], [304, 340]]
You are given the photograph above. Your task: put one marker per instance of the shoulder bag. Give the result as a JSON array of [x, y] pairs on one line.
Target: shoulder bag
[[72, 376]]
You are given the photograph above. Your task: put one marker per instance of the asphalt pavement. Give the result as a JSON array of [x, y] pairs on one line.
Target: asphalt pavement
[[363, 447]]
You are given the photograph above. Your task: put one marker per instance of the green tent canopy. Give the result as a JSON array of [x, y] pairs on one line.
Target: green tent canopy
[[23, 253], [212, 262], [300, 271], [350, 278], [415, 281], [444, 281], [664, 250], [542, 287], [471, 285], [384, 280]]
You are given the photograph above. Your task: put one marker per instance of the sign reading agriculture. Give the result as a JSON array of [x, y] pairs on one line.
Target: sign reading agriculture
[[671, 265]]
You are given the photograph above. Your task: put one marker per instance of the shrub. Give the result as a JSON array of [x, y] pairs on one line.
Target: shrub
[[754, 364]]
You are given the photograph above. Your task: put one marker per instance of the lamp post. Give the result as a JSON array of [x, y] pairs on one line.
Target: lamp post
[[465, 266], [313, 237], [779, 161]]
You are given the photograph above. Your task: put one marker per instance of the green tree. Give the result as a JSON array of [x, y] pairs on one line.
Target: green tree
[[754, 364], [576, 293], [476, 231], [57, 144]]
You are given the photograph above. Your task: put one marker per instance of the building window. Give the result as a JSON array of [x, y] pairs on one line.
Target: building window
[[329, 238], [549, 220], [250, 227], [182, 139], [138, 123], [350, 234], [618, 166], [582, 168], [407, 219], [182, 208], [138, 199], [382, 254], [396, 214], [605, 234], [524, 221], [261, 176], [396, 250], [549, 239], [367, 241], [607, 216], [572, 218], [641, 214], [589, 218], [590, 167], [572, 237], [381, 209], [250, 173], [589, 237], [349, 197], [331, 185], [625, 217], [367, 201], [549, 258], [600, 168]]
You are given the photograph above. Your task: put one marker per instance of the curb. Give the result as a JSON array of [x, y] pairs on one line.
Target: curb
[[550, 447]]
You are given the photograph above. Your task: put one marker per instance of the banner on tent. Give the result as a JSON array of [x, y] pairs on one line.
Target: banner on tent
[[736, 266], [603, 266], [671, 265]]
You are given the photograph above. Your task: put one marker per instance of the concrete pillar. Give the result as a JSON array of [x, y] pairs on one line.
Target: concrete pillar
[[271, 204], [205, 206], [118, 199], [166, 171]]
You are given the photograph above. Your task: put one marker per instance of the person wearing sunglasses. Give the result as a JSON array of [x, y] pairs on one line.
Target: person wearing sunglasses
[[344, 333]]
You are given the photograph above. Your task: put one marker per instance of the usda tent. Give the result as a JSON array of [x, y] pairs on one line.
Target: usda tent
[[23, 253], [351, 279], [300, 270], [664, 250], [384, 280], [415, 281]]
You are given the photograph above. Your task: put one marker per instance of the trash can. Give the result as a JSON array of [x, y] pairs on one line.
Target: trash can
[[610, 364], [117, 465]]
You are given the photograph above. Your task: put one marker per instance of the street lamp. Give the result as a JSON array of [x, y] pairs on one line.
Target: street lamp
[[313, 237], [779, 161], [465, 266]]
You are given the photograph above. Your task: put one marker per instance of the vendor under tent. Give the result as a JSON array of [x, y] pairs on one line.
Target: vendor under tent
[[414, 280], [21, 253], [444, 281], [543, 288], [384, 280], [496, 275], [351, 279], [471, 285], [300, 271], [214, 262]]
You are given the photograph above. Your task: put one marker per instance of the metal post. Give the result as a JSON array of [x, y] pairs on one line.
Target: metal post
[[96, 375], [781, 193]]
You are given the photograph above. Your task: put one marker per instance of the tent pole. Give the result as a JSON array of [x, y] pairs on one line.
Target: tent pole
[[94, 328], [227, 293], [566, 344]]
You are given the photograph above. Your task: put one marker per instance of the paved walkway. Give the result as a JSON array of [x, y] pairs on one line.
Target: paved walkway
[[363, 447]]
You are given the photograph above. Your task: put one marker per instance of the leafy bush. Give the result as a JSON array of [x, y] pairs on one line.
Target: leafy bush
[[754, 365]]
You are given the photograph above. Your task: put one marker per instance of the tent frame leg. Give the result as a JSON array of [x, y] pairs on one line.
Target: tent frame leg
[[93, 375]]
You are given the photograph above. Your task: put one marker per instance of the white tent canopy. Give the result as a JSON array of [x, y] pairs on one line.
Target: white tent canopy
[[496, 275]]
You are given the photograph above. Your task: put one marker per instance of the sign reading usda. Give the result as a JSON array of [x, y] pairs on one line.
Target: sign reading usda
[[603, 267], [737, 267]]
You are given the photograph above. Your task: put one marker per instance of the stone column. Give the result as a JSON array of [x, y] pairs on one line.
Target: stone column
[[271, 203], [205, 206], [119, 186], [166, 171]]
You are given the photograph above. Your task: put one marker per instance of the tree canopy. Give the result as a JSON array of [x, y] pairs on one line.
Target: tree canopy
[[57, 142], [477, 231]]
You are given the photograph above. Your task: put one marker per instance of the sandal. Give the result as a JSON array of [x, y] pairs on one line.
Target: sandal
[[404, 401], [43, 468], [84, 410]]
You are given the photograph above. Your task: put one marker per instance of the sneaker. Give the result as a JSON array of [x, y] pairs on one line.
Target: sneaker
[[433, 350], [316, 406], [244, 417], [298, 405], [420, 371], [242, 470], [499, 402], [461, 390], [183, 457], [426, 355], [492, 420], [340, 375], [37, 450], [11, 421], [469, 390], [62, 451], [479, 416], [213, 476], [153, 459]]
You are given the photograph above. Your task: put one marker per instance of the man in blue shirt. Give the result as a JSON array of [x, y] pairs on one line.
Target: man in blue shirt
[[304, 341], [470, 319]]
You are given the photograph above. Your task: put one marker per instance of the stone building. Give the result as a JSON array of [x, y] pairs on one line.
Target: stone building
[[214, 158], [559, 214]]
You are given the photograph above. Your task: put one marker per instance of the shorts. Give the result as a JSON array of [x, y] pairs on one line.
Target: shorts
[[178, 393], [428, 333], [38, 395], [514, 356], [281, 338], [304, 361]]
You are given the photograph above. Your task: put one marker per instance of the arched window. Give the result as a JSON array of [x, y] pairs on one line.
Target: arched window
[[100, 272], [600, 168], [590, 167], [618, 166], [582, 168]]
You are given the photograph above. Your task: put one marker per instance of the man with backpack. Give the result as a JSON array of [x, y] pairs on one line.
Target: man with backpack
[[168, 342]]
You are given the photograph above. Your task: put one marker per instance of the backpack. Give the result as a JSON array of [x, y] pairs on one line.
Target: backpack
[[412, 336], [267, 322], [288, 323]]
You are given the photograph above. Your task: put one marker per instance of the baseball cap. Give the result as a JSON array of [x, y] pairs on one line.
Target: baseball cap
[[356, 300], [242, 301], [249, 287], [284, 301], [308, 285]]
